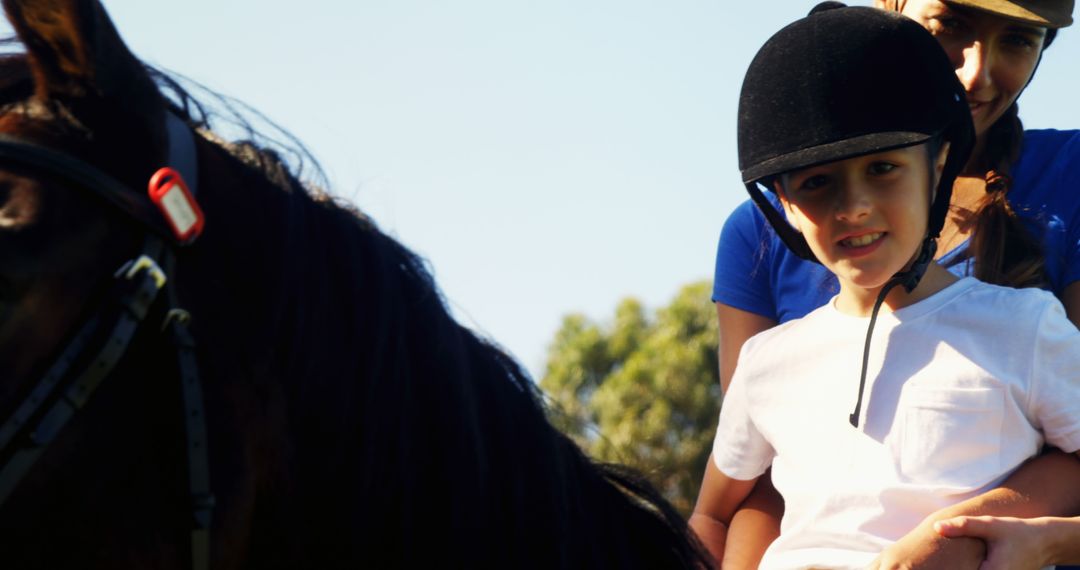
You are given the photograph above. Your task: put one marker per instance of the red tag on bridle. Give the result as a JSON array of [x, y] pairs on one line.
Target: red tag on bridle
[[169, 191]]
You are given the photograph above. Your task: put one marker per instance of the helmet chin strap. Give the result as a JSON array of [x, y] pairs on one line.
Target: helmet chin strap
[[909, 278]]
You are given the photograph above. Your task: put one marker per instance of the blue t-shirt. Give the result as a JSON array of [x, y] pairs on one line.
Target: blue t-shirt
[[756, 272]]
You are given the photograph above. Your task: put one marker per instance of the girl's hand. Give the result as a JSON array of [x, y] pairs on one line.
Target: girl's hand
[[1012, 543], [925, 549]]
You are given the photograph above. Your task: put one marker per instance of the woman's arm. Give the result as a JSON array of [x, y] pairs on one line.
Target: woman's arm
[[1019, 543], [717, 502], [736, 327], [1048, 485], [756, 523]]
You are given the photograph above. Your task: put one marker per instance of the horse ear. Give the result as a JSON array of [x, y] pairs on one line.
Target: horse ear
[[74, 49], [77, 58]]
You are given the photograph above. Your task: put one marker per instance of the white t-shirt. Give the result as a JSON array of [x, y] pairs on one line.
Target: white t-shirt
[[961, 388]]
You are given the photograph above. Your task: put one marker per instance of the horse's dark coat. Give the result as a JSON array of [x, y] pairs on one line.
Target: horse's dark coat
[[352, 422]]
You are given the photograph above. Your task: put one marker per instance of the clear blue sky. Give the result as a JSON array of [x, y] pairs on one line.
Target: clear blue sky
[[546, 157]]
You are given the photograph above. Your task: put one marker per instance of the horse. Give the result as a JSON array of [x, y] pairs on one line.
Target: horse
[[207, 363]]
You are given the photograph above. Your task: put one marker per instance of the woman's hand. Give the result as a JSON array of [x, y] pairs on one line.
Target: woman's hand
[[924, 549], [1012, 543]]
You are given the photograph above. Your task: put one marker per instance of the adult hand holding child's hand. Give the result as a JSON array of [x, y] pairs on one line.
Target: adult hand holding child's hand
[[1012, 543], [925, 549]]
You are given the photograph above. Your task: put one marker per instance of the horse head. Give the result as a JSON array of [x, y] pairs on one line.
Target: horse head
[[84, 130], [321, 407], [78, 90]]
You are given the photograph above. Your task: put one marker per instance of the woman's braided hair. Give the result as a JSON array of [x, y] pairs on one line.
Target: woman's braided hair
[[1005, 251]]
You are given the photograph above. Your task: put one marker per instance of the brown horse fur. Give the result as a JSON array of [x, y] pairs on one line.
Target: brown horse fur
[[352, 422]]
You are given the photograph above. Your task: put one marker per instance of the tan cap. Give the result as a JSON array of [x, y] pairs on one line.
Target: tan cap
[[1044, 13]]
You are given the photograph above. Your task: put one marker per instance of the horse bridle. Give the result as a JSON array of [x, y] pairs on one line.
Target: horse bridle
[[103, 338]]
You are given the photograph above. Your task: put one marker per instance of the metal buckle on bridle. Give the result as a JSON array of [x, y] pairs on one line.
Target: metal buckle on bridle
[[181, 316], [133, 267]]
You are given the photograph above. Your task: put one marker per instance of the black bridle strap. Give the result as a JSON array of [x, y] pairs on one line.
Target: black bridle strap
[[182, 154], [135, 290], [182, 157], [202, 499], [25, 412], [138, 288], [80, 173]]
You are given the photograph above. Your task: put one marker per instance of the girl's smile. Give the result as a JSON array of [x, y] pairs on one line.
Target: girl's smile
[[864, 244]]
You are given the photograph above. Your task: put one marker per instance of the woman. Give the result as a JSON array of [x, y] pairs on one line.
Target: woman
[[995, 48]]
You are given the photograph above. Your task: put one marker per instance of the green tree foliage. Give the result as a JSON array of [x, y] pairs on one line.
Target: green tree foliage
[[641, 391]]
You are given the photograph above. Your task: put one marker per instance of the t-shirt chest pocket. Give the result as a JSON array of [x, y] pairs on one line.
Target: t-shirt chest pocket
[[951, 436]]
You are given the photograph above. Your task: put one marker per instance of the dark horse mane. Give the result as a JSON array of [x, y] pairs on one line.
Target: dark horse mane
[[364, 426]]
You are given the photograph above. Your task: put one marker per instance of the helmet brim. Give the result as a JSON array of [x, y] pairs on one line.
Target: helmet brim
[[1056, 14], [832, 152]]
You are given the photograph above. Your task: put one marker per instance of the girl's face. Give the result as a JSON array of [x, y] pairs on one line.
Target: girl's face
[[865, 217], [994, 57]]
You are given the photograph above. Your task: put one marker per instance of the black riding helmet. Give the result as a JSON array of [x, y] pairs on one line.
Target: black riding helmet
[[845, 82]]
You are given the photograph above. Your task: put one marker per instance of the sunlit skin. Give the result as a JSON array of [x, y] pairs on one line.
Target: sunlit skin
[[865, 218], [994, 57], [1020, 542]]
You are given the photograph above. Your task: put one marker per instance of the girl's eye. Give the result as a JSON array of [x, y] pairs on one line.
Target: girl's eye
[[881, 168], [814, 182]]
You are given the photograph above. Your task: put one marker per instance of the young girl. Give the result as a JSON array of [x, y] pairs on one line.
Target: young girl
[[1014, 220], [856, 119]]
